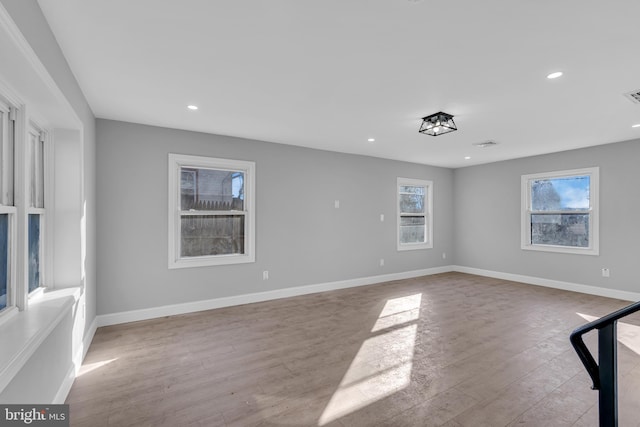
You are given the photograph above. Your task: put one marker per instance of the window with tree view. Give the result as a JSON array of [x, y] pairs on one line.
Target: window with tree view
[[560, 211], [213, 211]]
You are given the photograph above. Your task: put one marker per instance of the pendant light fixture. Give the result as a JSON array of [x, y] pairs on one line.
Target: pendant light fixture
[[437, 124]]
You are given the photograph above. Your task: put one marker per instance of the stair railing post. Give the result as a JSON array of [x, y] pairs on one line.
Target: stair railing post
[[608, 372]]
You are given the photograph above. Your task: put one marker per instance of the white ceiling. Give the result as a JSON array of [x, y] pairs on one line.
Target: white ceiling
[[330, 74]]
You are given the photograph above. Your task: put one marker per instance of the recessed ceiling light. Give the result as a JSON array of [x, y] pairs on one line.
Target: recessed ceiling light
[[636, 126], [467, 157], [371, 140], [554, 75], [192, 107]]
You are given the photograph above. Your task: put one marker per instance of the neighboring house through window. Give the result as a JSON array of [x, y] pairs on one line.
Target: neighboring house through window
[[560, 211]]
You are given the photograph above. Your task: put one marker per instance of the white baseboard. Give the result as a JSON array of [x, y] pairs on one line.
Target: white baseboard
[[65, 387], [76, 363], [556, 284], [190, 307], [88, 337]]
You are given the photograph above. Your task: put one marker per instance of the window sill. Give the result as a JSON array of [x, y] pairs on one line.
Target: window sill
[[209, 261], [24, 332], [415, 247], [561, 249]]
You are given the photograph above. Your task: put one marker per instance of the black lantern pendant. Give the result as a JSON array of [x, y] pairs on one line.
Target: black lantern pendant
[[437, 124]]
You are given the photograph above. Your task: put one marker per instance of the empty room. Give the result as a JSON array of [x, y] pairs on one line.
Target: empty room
[[319, 213]]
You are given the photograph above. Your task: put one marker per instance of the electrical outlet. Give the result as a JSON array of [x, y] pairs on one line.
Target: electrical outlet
[[381, 217], [336, 204], [605, 272], [381, 262], [265, 275], [444, 255]]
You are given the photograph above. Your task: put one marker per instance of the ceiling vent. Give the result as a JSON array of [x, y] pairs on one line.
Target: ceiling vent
[[634, 96], [486, 144]]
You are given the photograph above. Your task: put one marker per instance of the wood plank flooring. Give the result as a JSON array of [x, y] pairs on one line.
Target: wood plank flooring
[[445, 350]]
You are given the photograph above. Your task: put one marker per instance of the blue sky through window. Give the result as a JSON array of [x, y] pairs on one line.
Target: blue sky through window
[[573, 191], [565, 193], [237, 185]]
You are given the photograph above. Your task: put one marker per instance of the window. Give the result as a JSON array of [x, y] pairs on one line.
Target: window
[[23, 165], [211, 211], [7, 208], [415, 219], [560, 211], [36, 207]]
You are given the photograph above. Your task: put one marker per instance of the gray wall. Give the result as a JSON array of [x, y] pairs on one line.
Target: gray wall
[[301, 238], [41, 377], [487, 218], [29, 18]]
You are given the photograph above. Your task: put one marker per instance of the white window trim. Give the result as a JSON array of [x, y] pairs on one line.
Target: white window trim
[[11, 212], [428, 214], [594, 232], [177, 161], [45, 237], [19, 297]]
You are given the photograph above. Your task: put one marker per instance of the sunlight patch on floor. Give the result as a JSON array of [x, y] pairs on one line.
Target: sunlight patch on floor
[[398, 311], [85, 369], [628, 334], [383, 363]]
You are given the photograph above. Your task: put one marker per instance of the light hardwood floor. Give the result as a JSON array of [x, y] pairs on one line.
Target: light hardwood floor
[[444, 350]]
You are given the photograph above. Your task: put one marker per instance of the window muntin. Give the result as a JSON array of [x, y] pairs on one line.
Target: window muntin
[[560, 211], [414, 210], [212, 218]]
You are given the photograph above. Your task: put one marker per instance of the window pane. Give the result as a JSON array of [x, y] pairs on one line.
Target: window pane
[[412, 189], [203, 235], [6, 159], [4, 259], [3, 161], [211, 189], [570, 193], [560, 230], [34, 251], [412, 203], [412, 229], [36, 171]]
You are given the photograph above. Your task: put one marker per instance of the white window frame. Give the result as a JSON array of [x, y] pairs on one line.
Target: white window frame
[[428, 243], [593, 211], [18, 295], [178, 161], [41, 175], [9, 209]]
